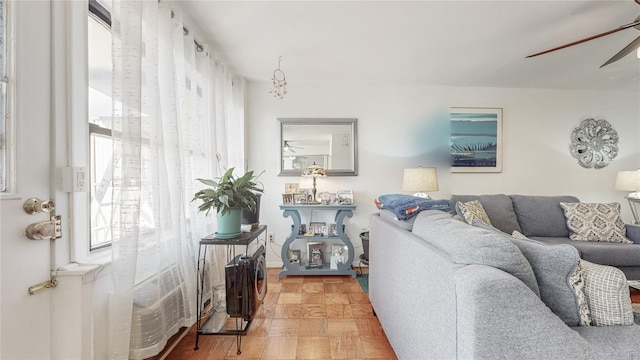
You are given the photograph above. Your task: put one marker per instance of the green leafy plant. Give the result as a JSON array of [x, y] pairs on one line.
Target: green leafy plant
[[229, 192]]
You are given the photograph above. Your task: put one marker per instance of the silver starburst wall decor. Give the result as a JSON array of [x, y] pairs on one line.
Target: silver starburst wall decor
[[594, 143]]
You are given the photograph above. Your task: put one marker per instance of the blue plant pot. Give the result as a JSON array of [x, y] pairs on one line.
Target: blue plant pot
[[229, 224]]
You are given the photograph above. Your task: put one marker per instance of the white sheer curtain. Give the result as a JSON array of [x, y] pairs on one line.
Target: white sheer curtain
[[175, 112]]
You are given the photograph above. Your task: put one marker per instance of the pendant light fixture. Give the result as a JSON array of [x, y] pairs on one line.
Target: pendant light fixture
[[279, 82]]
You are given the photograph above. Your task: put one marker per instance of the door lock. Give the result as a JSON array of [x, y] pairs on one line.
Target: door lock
[[35, 205], [49, 284], [45, 230]]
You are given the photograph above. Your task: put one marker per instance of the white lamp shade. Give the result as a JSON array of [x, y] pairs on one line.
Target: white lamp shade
[[420, 179], [628, 181]]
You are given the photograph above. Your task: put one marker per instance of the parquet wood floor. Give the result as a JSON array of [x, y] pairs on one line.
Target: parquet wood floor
[[302, 317], [324, 317]]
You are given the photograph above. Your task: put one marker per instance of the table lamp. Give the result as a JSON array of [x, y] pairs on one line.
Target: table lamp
[[630, 181], [420, 180], [314, 171]]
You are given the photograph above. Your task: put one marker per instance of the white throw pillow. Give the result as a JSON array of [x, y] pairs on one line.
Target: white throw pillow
[[595, 222], [607, 294]]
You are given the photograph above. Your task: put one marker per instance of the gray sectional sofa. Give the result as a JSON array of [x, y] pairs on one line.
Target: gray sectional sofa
[[541, 218], [438, 296]]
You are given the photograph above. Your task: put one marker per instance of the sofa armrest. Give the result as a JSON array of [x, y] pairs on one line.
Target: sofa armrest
[[412, 291], [500, 317], [633, 233]]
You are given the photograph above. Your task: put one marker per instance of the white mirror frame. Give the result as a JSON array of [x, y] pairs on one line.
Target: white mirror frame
[[282, 122]]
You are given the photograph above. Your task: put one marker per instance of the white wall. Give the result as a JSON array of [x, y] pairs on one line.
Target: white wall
[[407, 126]]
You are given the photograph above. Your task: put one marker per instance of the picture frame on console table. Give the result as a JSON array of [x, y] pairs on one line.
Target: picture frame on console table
[[316, 227], [294, 256], [333, 230], [316, 254], [339, 254], [291, 188], [476, 139], [300, 199], [344, 197]]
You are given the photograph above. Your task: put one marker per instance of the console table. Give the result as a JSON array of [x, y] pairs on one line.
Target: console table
[[293, 211]]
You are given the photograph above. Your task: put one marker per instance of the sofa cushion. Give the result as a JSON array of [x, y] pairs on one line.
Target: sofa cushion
[[560, 279], [633, 232], [470, 245], [595, 222], [498, 207], [471, 210], [541, 215], [607, 295], [614, 254], [558, 274], [611, 342]]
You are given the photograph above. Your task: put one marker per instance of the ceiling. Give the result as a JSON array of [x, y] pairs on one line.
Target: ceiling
[[456, 43]]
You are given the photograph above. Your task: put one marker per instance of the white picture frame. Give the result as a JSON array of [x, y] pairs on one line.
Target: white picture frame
[[344, 197], [339, 254], [291, 188]]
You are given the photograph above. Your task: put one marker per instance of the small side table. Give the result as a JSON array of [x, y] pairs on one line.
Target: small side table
[[244, 239]]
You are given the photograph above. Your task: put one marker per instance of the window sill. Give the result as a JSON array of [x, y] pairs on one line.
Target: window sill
[[88, 272], [102, 258]]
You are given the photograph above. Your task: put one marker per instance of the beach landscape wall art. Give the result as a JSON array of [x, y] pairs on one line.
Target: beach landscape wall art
[[476, 139]]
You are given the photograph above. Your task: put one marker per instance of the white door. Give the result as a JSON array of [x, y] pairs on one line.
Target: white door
[[26, 319]]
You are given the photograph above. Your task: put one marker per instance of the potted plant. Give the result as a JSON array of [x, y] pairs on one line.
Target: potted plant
[[229, 195]]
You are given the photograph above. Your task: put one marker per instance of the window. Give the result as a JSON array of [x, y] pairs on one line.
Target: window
[[100, 133], [4, 95], [104, 188]]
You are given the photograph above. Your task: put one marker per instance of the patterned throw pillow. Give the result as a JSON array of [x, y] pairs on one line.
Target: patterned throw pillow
[[607, 295], [595, 222], [472, 210]]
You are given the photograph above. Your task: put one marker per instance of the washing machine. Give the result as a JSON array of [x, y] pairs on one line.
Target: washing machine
[[246, 284]]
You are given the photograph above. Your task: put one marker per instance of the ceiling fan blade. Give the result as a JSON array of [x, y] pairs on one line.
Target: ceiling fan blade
[[623, 27], [287, 147], [624, 52]]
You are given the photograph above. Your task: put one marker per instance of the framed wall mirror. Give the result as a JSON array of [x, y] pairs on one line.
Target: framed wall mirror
[[330, 143]]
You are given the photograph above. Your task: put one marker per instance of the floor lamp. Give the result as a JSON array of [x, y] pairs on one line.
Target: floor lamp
[[630, 181]]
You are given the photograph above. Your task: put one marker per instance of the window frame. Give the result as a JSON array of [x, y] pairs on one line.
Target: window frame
[[100, 14], [10, 190], [81, 250], [96, 12]]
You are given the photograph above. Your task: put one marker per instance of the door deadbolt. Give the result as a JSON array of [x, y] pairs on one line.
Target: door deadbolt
[[35, 205], [45, 230]]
